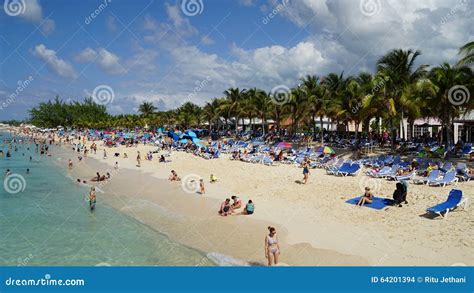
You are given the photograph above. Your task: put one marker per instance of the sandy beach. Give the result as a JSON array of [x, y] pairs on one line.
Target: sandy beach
[[315, 224]]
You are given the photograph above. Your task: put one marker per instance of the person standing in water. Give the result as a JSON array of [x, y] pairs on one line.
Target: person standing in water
[[272, 249], [92, 198]]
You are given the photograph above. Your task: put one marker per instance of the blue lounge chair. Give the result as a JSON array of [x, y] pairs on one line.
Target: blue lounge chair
[[384, 170], [431, 177], [454, 200], [352, 170], [344, 167], [448, 178]]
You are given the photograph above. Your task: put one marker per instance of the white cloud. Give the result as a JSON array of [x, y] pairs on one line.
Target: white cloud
[[54, 63], [34, 13], [86, 55], [206, 40], [106, 60]]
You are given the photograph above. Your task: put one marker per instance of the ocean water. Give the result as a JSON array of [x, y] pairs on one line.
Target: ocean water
[[45, 220]]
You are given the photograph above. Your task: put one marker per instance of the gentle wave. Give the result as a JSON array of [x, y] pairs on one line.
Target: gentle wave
[[226, 260]]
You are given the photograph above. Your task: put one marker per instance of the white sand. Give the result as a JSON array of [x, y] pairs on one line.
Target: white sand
[[316, 215]]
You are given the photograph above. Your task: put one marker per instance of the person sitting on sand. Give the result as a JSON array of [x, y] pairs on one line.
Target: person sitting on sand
[[366, 198], [125, 156], [174, 176], [237, 204], [249, 208], [213, 178], [272, 249], [225, 209], [162, 159]]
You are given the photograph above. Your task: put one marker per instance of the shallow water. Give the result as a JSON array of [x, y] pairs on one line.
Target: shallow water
[[48, 222]]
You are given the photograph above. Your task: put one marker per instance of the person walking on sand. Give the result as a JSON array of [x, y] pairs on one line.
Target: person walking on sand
[[202, 189], [70, 164], [105, 154], [272, 248], [92, 198], [306, 173], [139, 159]]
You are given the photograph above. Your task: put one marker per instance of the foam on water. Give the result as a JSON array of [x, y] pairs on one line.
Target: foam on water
[[51, 222], [225, 260]]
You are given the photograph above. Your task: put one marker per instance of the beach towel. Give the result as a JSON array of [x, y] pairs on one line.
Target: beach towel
[[378, 203]]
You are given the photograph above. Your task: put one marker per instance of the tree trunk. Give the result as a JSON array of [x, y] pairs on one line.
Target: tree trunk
[[263, 125], [322, 129], [356, 124]]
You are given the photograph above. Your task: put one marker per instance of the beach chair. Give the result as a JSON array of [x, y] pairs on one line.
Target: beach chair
[[431, 177], [453, 201], [344, 167], [268, 161], [448, 178], [391, 172], [352, 170], [406, 177], [384, 170]]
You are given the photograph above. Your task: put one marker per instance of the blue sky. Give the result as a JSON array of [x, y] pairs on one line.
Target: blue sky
[[124, 52]]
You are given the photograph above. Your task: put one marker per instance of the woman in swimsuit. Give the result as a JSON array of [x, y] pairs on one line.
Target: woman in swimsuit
[[272, 249], [92, 199], [366, 198], [305, 171]]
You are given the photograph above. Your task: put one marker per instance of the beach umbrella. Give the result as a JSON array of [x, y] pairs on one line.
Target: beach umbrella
[[191, 133], [325, 150], [284, 145]]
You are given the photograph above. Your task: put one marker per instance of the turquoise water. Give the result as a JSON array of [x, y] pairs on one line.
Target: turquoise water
[[49, 223]]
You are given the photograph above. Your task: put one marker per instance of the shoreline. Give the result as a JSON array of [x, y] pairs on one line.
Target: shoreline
[[192, 220]]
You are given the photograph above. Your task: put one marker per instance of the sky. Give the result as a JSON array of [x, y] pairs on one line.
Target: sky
[[124, 52]]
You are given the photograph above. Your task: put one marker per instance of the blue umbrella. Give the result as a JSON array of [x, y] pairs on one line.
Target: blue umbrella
[[191, 133]]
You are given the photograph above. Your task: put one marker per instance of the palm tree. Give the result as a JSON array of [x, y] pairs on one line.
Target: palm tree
[[234, 97], [146, 109], [448, 82], [468, 51], [315, 94], [262, 103], [211, 112], [398, 67], [297, 107]]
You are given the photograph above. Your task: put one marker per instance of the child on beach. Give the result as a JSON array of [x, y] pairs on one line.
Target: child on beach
[[70, 164], [213, 178], [174, 176], [116, 166], [202, 189], [366, 198]]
